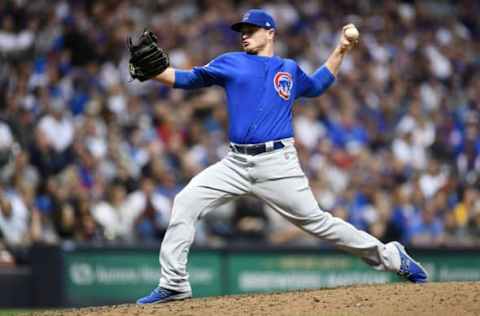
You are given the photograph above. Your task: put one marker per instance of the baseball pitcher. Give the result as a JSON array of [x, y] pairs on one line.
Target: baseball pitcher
[[261, 89]]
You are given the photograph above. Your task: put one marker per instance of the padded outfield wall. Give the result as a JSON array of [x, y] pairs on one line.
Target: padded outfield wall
[[85, 276]]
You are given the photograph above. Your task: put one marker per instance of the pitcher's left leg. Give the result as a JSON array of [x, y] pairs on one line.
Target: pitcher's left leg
[[294, 200]]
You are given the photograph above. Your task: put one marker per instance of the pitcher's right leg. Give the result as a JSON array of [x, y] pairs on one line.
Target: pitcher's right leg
[[209, 189]]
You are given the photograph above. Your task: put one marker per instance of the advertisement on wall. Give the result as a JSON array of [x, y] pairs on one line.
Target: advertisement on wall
[[121, 276]]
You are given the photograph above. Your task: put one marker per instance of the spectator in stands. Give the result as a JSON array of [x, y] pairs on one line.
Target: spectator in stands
[[45, 158], [249, 221], [6, 258], [7, 147], [468, 150], [404, 212], [406, 125], [14, 218], [88, 231], [42, 227], [57, 126], [474, 225], [11, 42], [465, 208], [111, 213], [148, 211], [427, 227], [434, 179]]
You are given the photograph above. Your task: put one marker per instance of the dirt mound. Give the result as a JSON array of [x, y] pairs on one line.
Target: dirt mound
[[389, 299]]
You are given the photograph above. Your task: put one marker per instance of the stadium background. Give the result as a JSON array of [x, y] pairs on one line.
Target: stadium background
[[90, 159]]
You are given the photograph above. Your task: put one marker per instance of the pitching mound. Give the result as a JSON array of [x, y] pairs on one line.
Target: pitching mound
[[389, 299]]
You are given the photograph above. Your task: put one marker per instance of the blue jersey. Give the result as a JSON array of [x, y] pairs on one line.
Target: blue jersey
[[260, 92]]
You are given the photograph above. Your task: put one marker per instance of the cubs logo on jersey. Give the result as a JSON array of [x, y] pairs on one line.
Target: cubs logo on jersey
[[283, 84]]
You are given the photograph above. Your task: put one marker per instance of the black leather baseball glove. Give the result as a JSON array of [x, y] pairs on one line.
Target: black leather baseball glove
[[147, 60]]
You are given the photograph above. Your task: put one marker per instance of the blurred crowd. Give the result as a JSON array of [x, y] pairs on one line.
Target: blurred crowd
[[88, 155]]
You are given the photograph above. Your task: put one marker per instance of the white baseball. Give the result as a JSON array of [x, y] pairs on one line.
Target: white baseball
[[351, 33]]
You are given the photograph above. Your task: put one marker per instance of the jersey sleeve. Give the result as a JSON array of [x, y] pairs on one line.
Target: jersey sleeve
[[213, 73], [314, 85]]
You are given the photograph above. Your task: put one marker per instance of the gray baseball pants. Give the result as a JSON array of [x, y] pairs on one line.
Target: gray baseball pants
[[276, 178]]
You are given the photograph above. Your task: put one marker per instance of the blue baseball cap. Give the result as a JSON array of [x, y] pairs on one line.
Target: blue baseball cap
[[255, 17]]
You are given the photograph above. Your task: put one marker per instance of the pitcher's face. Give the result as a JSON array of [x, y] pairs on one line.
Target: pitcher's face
[[255, 39]]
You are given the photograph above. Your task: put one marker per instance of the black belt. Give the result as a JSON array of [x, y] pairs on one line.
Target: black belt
[[255, 149]]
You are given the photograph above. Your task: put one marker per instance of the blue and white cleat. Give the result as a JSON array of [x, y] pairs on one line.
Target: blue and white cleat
[[409, 268], [162, 295]]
